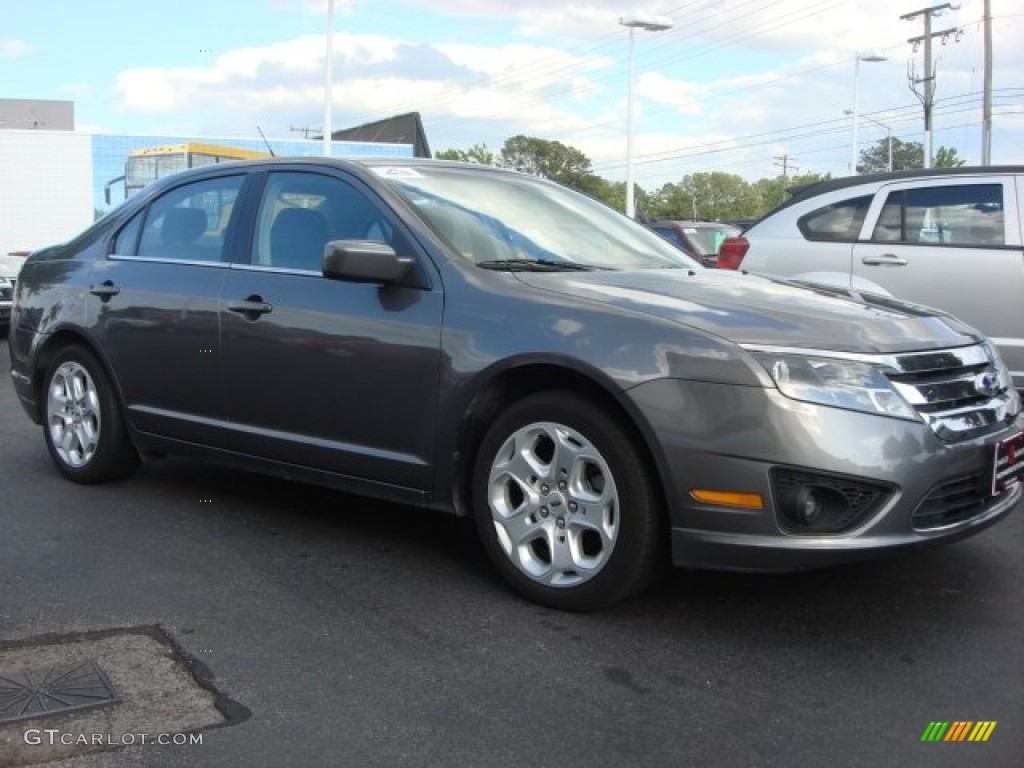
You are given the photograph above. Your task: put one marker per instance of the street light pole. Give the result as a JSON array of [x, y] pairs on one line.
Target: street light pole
[[880, 124], [857, 59], [328, 80], [634, 21]]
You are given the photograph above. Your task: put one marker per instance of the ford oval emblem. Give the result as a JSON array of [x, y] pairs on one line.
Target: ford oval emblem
[[986, 384]]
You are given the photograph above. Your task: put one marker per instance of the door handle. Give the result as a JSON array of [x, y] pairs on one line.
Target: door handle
[[104, 290], [884, 260], [251, 306]]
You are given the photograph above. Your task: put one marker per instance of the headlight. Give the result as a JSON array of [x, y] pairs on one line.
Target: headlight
[[839, 383]]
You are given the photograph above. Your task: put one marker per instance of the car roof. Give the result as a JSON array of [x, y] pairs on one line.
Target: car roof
[[368, 161], [359, 165], [808, 191], [692, 223]]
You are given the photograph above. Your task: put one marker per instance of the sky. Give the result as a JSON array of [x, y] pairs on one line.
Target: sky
[[739, 86]]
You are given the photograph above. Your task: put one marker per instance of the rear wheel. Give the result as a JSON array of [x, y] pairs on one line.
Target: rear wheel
[[565, 503], [84, 429]]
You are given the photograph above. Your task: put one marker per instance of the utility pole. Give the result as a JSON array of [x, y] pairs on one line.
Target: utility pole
[[786, 165], [304, 131], [927, 94], [986, 109]]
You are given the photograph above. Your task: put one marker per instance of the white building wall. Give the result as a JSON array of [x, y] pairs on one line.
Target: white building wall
[[46, 192]]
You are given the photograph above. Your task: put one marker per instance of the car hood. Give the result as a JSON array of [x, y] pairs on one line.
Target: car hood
[[748, 309]]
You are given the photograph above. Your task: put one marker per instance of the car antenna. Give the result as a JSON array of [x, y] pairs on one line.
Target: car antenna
[[270, 149]]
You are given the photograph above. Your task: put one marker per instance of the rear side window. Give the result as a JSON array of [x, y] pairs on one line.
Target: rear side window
[[188, 223], [965, 215], [839, 221]]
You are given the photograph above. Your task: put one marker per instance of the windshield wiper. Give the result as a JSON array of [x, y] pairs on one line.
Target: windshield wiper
[[535, 265]]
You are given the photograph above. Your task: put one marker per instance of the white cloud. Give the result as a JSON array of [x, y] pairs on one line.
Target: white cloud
[[375, 76], [731, 84], [14, 48]]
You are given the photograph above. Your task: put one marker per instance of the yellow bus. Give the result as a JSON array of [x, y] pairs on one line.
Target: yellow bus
[[143, 166]]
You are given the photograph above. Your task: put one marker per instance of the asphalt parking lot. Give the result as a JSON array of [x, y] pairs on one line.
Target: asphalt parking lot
[[352, 633]]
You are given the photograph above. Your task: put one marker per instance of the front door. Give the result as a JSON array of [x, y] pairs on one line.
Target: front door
[[325, 374]]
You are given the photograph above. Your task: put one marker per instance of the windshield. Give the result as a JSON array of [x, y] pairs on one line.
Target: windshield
[[502, 220]]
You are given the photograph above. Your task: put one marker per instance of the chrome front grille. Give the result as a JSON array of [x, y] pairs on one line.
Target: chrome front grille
[[960, 393]]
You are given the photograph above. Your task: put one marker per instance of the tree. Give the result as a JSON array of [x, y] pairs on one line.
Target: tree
[[478, 153], [714, 195], [671, 201], [945, 157], [906, 155], [772, 192], [611, 193], [550, 159]]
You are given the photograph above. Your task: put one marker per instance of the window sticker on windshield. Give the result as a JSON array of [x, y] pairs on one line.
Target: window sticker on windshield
[[392, 172]]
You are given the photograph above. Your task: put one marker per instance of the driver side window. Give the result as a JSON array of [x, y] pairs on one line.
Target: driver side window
[[301, 212]]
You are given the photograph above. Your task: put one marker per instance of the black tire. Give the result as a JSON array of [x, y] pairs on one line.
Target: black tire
[[82, 420], [575, 521]]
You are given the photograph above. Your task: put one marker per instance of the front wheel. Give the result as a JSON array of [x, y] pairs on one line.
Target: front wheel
[[565, 503], [85, 433]]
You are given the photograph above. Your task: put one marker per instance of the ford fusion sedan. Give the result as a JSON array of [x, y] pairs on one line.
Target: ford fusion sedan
[[489, 344]]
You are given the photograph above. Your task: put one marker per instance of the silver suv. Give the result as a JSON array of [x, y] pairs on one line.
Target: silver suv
[[948, 238]]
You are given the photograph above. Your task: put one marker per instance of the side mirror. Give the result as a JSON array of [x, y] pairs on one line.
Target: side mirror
[[364, 261]]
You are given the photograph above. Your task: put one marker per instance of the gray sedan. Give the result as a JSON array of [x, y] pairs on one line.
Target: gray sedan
[[485, 343]]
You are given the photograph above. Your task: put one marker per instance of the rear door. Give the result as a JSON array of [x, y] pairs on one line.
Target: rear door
[[813, 240], [154, 307], [954, 244]]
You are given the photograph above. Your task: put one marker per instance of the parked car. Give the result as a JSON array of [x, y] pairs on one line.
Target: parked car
[[6, 295], [948, 238], [10, 265], [740, 224], [698, 239], [486, 343]]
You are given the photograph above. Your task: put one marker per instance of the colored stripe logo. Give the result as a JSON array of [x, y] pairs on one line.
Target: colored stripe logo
[[959, 730]]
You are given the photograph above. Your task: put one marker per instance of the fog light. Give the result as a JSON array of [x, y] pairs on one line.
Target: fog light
[[816, 504]]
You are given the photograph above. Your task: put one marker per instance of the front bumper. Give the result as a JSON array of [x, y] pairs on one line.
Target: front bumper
[[736, 439]]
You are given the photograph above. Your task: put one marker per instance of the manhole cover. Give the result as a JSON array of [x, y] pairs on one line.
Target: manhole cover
[[69, 695], [53, 690]]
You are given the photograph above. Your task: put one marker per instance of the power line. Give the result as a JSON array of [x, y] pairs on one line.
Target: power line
[[951, 106]]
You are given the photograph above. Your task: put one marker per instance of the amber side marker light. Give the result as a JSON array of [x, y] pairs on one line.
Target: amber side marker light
[[728, 498]]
